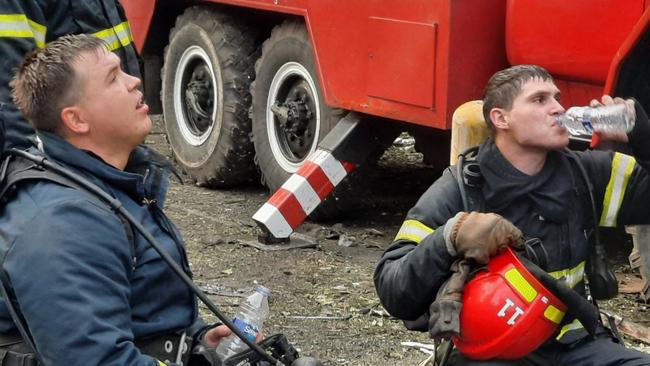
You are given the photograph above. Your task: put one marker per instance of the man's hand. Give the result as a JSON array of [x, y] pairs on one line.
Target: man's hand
[[479, 236], [607, 100], [213, 336]]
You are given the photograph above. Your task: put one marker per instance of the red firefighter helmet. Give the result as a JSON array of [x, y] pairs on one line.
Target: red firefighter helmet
[[506, 312]]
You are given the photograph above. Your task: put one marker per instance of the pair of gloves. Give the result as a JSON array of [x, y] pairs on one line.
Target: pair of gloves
[[472, 237]]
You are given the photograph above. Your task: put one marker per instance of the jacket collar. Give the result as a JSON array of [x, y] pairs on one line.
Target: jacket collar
[[549, 191], [93, 166]]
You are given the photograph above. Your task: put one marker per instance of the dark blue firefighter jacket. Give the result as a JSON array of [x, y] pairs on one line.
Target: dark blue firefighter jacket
[[69, 261]]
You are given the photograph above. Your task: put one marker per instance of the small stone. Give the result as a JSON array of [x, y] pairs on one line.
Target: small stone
[[347, 241]]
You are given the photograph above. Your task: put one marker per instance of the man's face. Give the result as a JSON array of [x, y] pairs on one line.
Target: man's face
[[110, 102], [532, 118]]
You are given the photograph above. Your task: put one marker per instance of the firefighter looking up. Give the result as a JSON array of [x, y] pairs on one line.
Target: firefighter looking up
[[90, 294], [529, 188], [29, 24]]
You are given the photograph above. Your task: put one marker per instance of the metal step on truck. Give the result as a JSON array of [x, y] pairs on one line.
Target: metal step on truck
[[306, 91]]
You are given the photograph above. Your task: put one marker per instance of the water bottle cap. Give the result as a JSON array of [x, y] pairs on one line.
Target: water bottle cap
[[263, 290]]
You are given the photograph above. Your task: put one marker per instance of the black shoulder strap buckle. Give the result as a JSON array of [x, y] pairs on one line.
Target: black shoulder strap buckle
[[469, 178]]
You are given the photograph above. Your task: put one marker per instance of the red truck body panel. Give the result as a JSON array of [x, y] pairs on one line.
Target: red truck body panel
[[418, 60]]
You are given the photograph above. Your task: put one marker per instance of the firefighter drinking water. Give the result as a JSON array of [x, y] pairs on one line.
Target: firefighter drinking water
[[529, 186]]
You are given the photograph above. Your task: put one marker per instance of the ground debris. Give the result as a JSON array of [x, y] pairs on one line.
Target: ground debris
[[375, 310], [373, 232], [319, 317], [347, 241], [211, 242], [212, 289], [629, 328]]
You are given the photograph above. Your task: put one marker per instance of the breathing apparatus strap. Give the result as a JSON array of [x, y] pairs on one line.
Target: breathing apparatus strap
[[602, 282], [15, 170]]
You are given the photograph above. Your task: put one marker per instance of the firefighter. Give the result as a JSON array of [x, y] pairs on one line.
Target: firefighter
[[90, 290], [29, 24], [531, 187]]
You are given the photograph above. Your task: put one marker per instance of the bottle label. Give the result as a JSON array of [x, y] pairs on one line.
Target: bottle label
[[586, 121], [250, 330]]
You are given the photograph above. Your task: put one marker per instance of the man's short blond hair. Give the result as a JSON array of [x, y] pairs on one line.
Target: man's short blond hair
[[45, 82]]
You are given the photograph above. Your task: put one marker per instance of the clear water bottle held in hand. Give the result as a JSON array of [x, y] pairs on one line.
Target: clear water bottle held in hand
[[250, 317], [606, 119]]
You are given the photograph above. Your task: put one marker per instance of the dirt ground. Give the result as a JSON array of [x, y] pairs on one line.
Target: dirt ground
[[323, 298]]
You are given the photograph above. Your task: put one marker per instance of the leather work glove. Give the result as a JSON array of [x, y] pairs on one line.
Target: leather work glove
[[444, 312], [479, 236]]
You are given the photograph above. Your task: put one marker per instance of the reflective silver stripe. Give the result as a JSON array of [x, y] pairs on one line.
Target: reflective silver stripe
[[19, 26], [622, 166], [117, 36], [572, 276], [413, 230]]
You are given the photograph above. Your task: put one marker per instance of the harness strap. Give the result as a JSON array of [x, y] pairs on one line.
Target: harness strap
[[11, 358], [16, 170], [171, 348], [602, 282]]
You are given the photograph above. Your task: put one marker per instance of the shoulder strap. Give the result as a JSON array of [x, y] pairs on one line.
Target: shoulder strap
[[602, 282], [16, 170], [469, 179]]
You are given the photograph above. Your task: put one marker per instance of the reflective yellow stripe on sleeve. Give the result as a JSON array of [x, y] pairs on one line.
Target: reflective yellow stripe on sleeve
[[160, 363], [19, 26], [622, 166], [571, 276], [117, 36], [575, 324], [413, 230]]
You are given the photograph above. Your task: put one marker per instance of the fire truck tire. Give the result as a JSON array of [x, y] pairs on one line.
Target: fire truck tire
[[208, 68], [286, 78]]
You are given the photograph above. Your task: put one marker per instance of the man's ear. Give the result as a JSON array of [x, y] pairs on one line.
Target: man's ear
[[499, 118], [72, 120]]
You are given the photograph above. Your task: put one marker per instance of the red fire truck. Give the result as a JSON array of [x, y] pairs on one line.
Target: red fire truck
[[249, 83]]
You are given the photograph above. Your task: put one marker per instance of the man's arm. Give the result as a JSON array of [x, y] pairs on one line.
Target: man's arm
[[416, 264], [622, 182], [70, 273], [24, 29]]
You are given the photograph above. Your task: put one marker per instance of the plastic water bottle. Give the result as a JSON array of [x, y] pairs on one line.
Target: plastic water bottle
[[250, 317], [607, 118]]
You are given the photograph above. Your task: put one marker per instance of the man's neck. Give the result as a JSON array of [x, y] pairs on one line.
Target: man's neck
[[526, 160], [110, 155]]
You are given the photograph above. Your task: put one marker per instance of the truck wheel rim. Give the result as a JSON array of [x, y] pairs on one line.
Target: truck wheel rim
[[293, 116], [194, 94]]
